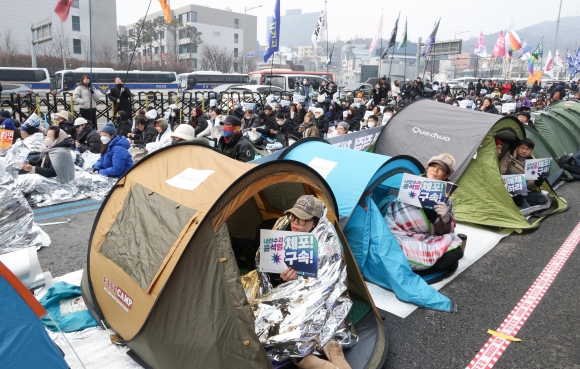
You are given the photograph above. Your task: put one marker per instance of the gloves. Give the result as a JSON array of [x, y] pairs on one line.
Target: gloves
[[92, 91], [538, 182], [443, 211]]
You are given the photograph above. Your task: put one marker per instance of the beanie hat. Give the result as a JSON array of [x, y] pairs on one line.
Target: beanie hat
[[230, 119], [498, 142], [5, 114], [162, 123], [185, 132], [80, 120], [151, 114], [28, 128], [344, 125], [109, 128]]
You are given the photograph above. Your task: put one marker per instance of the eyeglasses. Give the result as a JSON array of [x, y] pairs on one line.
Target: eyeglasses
[[294, 218]]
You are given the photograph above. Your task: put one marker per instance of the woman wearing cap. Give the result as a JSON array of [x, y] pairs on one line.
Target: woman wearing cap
[[87, 97], [115, 158], [163, 133], [56, 160], [426, 236], [88, 139], [308, 215], [64, 124]]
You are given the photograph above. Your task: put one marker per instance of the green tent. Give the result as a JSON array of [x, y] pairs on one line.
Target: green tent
[[469, 136], [544, 150], [557, 133]]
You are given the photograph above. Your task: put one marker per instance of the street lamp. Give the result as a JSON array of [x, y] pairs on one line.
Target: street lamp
[[458, 33], [244, 37]]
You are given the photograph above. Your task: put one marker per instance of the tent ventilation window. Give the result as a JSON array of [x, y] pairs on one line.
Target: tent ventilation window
[[146, 228]]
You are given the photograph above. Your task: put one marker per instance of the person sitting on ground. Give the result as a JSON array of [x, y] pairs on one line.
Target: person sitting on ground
[[321, 122], [175, 118], [123, 124], [286, 128], [525, 118], [421, 232], [300, 114], [186, 133], [371, 122], [199, 120], [488, 107], [250, 120], [33, 138], [64, 124], [88, 138], [7, 123], [342, 128], [352, 119], [308, 215], [514, 163], [163, 133], [115, 158], [147, 132], [232, 143], [308, 128], [214, 126], [56, 160]]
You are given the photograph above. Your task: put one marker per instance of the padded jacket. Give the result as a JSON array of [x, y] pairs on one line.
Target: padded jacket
[[116, 160], [89, 140]]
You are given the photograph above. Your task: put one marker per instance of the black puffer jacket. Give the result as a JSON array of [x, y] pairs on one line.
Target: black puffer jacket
[[238, 148], [124, 125], [89, 140]]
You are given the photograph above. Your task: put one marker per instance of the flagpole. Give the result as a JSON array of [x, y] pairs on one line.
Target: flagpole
[[326, 26], [380, 58], [541, 57], [405, 66], [63, 44], [94, 124]]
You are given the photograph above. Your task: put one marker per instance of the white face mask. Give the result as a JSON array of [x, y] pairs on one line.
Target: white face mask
[[173, 114], [281, 122], [317, 116], [105, 140], [371, 124], [48, 142]]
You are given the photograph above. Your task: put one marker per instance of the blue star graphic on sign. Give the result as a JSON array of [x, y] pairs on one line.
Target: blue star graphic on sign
[[276, 258], [412, 194]]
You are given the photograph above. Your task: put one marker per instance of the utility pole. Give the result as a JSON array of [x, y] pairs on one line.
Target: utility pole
[[244, 36], [418, 56]]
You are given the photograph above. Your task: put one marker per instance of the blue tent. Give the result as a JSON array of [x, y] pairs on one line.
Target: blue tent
[[363, 184], [24, 343]]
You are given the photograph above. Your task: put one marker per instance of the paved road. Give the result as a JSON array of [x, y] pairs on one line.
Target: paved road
[[485, 293]]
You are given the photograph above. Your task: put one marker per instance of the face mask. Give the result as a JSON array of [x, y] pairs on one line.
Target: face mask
[[371, 124], [48, 142], [118, 118], [281, 122], [173, 115], [317, 116], [105, 140]]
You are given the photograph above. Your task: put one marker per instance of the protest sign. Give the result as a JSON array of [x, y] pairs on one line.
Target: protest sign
[[368, 113], [508, 108], [298, 99], [248, 106], [466, 104], [357, 100], [6, 137], [421, 192], [360, 141], [344, 114], [536, 168], [515, 184], [537, 76], [280, 250], [285, 103], [33, 120]]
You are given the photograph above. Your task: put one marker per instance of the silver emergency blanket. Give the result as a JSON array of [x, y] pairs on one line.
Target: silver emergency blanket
[[42, 191], [299, 317], [35, 142], [17, 228]]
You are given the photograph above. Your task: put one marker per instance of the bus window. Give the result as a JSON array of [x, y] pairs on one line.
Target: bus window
[[254, 79], [291, 82], [278, 81], [191, 81], [131, 78], [106, 77], [147, 77], [315, 82], [231, 79], [166, 77]]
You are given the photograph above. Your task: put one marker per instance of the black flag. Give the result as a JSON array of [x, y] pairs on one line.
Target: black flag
[[330, 56], [393, 38]]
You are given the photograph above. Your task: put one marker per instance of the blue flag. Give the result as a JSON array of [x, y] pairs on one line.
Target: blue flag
[[273, 33], [577, 62], [571, 64], [431, 39]]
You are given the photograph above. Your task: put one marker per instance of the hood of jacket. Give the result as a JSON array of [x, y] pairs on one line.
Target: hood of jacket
[[119, 141]]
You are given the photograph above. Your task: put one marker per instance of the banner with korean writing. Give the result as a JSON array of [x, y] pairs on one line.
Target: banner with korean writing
[[515, 184], [421, 192], [280, 250], [360, 141], [536, 168], [6, 137], [298, 98]]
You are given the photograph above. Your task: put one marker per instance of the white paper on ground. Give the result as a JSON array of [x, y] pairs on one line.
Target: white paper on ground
[[479, 242], [322, 166], [189, 179]]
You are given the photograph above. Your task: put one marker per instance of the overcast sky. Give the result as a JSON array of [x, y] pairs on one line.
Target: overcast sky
[[361, 17]]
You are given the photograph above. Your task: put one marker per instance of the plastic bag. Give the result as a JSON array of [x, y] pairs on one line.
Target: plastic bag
[[90, 159]]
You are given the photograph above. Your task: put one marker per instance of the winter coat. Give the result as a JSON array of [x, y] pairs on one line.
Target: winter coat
[[200, 123], [164, 139], [269, 124], [63, 166], [252, 122], [506, 88], [121, 98], [395, 91], [306, 91], [148, 135], [310, 131], [124, 126], [89, 140], [214, 128], [406, 91], [510, 162], [238, 148], [491, 109], [116, 160], [322, 125], [82, 96], [69, 128], [299, 117]]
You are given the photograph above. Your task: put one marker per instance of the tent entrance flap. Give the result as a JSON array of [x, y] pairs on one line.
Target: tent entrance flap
[[144, 232]]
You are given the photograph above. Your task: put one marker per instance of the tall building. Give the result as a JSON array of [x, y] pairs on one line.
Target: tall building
[[296, 28], [48, 30], [217, 27]]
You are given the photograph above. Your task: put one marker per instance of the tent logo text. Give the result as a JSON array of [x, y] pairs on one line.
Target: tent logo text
[[118, 294], [434, 135]]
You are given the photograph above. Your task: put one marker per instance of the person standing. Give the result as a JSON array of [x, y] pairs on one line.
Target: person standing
[[307, 91], [87, 98], [121, 97]]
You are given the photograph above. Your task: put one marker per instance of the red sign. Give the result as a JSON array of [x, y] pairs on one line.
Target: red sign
[[6, 137]]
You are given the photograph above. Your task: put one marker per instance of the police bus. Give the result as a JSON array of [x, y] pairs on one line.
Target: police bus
[[208, 80], [104, 79], [36, 79]]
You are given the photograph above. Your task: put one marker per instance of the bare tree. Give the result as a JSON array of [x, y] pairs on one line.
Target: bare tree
[[10, 46], [247, 65], [86, 48], [217, 58], [193, 38], [106, 55]]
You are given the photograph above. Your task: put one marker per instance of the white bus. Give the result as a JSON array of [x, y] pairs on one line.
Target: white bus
[[207, 81], [37, 79], [104, 79]]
